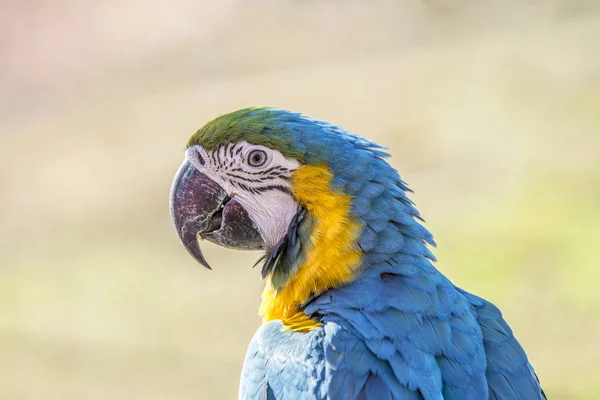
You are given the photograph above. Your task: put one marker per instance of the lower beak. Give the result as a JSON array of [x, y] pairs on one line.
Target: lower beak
[[201, 208]]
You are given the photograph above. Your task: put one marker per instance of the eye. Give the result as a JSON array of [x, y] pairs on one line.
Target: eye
[[257, 158]]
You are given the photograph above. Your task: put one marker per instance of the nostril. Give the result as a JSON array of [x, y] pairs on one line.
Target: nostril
[[200, 158]]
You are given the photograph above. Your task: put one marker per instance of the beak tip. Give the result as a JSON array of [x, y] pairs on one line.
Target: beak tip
[[201, 261], [200, 257], [205, 264]]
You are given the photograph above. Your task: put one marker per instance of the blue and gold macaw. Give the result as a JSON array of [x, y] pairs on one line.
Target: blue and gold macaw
[[352, 307]]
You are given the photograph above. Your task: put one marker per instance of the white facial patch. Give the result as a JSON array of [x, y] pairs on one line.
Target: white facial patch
[[258, 178]]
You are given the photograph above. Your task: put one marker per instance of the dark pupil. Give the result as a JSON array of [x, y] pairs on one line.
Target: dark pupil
[[257, 158]]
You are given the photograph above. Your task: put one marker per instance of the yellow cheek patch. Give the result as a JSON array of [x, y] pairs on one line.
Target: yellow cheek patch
[[332, 258]]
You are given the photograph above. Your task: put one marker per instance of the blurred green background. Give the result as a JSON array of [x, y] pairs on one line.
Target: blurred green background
[[491, 110]]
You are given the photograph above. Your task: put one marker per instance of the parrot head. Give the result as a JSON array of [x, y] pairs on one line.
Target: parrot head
[[313, 196], [234, 185]]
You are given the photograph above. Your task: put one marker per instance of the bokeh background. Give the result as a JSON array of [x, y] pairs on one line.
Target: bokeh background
[[491, 110]]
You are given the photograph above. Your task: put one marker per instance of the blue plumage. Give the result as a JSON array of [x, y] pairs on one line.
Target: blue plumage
[[400, 330]]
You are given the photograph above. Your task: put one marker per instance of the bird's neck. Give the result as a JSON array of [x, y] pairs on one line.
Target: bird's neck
[[329, 252], [337, 245]]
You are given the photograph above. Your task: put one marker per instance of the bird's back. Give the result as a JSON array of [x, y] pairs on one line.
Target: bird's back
[[397, 333]]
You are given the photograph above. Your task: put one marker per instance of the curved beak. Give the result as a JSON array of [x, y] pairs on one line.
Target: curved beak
[[201, 209]]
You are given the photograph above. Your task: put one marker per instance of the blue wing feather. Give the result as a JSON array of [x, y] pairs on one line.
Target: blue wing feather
[[404, 350]]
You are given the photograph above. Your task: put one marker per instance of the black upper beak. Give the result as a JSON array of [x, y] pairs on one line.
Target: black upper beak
[[201, 208]]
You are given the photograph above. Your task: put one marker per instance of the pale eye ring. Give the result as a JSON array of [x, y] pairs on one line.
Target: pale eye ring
[[257, 158]]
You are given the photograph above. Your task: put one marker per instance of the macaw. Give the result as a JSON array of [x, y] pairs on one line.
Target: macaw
[[353, 307]]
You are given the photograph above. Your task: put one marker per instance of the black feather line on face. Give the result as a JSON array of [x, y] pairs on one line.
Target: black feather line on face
[[252, 180], [274, 187], [273, 258], [253, 173]]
